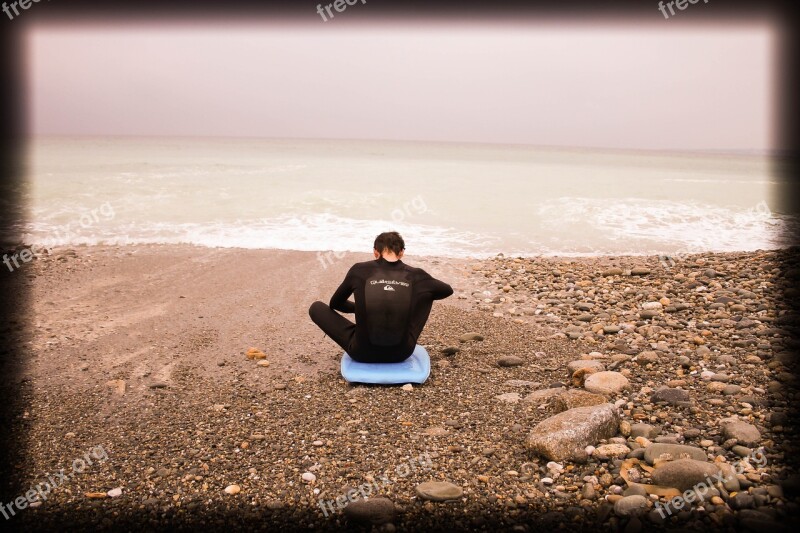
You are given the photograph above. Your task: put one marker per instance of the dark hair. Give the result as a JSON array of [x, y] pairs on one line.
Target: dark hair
[[391, 240]]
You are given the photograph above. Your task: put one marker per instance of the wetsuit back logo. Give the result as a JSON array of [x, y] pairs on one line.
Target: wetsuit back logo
[[387, 298]]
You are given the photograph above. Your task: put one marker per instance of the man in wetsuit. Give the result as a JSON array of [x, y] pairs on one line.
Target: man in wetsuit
[[392, 304]]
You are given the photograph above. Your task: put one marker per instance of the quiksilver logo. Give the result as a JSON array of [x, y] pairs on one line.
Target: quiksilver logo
[[388, 288], [389, 282]]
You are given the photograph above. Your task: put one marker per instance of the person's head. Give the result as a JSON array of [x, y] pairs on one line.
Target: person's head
[[389, 245]]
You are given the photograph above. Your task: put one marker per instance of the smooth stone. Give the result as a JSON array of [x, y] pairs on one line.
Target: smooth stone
[[439, 491], [691, 433], [673, 452], [542, 396], [731, 390], [470, 337], [742, 501], [615, 271], [572, 398], [683, 474], [591, 364], [232, 489], [374, 511], [509, 361], [640, 271], [607, 451], [635, 489], [635, 505], [509, 397], [644, 430], [647, 357], [606, 383], [450, 350], [671, 396], [778, 419], [638, 453], [746, 434], [741, 451], [566, 435]]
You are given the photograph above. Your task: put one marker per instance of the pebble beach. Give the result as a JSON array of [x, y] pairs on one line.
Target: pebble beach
[[577, 393]]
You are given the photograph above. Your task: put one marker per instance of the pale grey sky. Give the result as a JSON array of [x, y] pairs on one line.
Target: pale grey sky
[[656, 86]]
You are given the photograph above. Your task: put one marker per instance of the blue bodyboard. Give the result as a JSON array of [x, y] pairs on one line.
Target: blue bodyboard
[[415, 369]]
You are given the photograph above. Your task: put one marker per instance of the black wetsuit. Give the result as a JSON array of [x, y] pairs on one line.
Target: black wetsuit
[[392, 304]]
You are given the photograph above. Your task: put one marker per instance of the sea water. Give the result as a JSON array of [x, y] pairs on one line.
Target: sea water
[[458, 200]]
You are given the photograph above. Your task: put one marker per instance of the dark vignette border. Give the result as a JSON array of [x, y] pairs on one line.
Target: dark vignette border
[[14, 309]]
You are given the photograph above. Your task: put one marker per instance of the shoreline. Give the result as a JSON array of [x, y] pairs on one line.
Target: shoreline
[[486, 257]]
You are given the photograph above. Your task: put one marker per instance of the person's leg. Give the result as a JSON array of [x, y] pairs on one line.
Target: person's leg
[[335, 326]]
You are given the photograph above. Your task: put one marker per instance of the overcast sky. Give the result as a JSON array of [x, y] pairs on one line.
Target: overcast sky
[[661, 86]]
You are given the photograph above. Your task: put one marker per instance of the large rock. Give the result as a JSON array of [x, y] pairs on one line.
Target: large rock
[[572, 398], [606, 383], [566, 435], [746, 434], [672, 452], [684, 474], [370, 511], [439, 491]]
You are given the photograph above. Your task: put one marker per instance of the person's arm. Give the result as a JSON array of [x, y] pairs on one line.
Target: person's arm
[[438, 290], [339, 300]]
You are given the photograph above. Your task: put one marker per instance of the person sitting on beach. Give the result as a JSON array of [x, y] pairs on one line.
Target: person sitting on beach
[[392, 305]]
